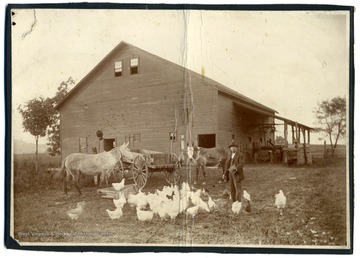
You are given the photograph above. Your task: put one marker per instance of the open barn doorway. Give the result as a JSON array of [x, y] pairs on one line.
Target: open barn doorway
[[109, 144], [207, 140]]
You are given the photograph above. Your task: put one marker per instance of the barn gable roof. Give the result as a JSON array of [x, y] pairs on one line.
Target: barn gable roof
[[210, 82]]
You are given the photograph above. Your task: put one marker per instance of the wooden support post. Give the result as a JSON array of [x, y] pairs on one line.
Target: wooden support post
[[286, 134], [292, 134], [304, 135], [308, 136], [285, 160], [305, 155]]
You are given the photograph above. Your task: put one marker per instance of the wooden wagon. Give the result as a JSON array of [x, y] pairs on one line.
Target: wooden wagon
[[145, 162]]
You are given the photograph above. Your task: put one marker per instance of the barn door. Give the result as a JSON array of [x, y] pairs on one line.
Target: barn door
[[207, 140], [109, 144]]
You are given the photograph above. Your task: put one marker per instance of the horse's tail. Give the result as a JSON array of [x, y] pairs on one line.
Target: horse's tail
[[61, 173]]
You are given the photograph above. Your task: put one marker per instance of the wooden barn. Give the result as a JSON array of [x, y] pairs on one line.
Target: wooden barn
[[137, 97]]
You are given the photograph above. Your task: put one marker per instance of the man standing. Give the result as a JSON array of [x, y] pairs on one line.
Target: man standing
[[234, 172]]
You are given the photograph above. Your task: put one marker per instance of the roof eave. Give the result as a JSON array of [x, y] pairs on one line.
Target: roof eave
[[237, 96]]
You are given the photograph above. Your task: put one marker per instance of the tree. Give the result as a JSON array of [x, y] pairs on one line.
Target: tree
[[37, 116], [53, 131], [331, 116]]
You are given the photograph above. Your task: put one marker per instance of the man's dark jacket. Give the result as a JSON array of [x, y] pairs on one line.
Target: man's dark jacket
[[238, 163]]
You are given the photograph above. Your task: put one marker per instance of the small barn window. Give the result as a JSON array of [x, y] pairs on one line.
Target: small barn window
[[83, 144], [118, 68], [132, 138], [134, 65]]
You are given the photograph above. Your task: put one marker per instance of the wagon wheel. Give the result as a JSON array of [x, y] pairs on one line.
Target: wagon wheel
[[172, 175], [140, 171]]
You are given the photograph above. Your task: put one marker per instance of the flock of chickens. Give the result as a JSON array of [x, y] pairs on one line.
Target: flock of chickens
[[166, 204], [169, 202]]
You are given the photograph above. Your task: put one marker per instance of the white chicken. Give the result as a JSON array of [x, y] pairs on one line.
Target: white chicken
[[172, 209], [247, 203], [139, 200], [197, 201], [163, 213], [192, 211], [280, 201], [167, 190], [203, 205], [120, 202], [158, 203], [119, 186], [176, 189], [132, 200], [211, 203], [144, 215], [236, 207], [76, 212], [246, 195], [194, 197], [198, 192], [116, 214]]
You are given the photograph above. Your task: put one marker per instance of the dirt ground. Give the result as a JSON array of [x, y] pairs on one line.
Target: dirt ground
[[315, 214]]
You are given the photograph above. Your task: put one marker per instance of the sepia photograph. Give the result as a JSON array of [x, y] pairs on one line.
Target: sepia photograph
[[180, 127]]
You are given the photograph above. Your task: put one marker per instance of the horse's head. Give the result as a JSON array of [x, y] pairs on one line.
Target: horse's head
[[196, 152], [192, 153], [126, 153]]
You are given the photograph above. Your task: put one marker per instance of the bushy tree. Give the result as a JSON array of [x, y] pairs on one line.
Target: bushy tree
[[53, 131], [331, 116], [37, 116]]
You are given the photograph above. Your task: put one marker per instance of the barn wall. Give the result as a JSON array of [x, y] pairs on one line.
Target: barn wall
[[142, 108], [205, 108], [228, 124], [242, 124]]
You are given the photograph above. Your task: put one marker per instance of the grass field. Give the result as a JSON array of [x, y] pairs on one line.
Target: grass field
[[315, 214]]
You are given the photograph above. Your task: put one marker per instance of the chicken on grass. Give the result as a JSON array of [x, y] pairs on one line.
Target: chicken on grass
[[280, 201], [75, 213]]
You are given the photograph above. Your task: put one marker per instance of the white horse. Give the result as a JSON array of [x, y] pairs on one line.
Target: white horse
[[93, 164]]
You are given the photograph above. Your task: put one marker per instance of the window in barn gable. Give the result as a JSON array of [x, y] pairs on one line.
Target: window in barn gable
[[118, 68], [134, 65]]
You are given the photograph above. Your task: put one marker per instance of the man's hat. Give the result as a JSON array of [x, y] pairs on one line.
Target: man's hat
[[233, 144]]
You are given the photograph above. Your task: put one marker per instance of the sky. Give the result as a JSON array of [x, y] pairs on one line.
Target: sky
[[288, 61]]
